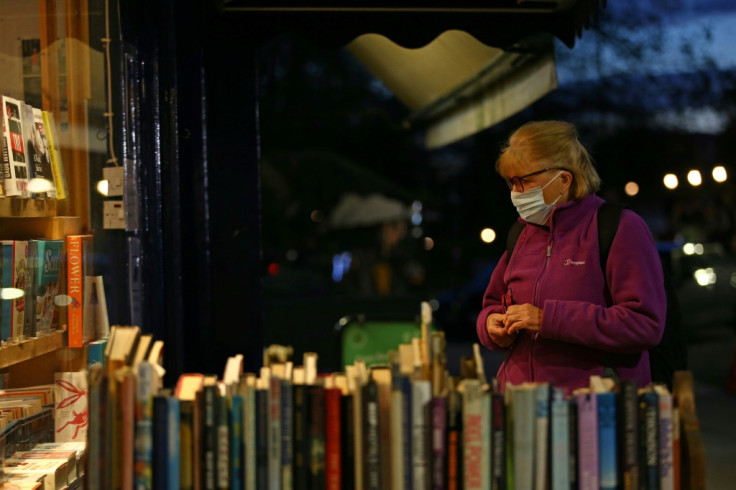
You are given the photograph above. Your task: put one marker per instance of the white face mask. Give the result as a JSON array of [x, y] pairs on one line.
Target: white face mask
[[530, 203]]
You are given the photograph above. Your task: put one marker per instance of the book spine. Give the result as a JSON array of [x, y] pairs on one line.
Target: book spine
[[333, 438], [186, 439], [421, 391], [559, 440], [438, 407], [541, 438], [666, 460], [144, 427], [588, 458], [57, 167], [649, 440], [250, 438], [397, 444], [6, 313], [172, 443], [523, 414], [347, 441], [572, 426], [29, 322], [472, 435], [607, 431], [20, 272], [454, 440], [316, 395], [498, 446], [236, 441], [371, 450], [274, 433], [262, 438], [406, 430], [301, 437], [287, 435], [209, 441], [628, 445], [75, 283], [14, 161]]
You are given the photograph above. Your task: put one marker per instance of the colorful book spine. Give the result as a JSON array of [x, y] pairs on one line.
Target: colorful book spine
[[236, 441], [187, 444], [44, 259], [607, 440], [166, 441], [588, 461], [209, 437], [333, 437], [301, 436], [74, 288], [144, 426], [261, 438], [15, 259]]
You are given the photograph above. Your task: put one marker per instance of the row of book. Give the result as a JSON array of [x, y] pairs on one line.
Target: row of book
[[407, 424], [31, 164], [46, 466], [50, 284]]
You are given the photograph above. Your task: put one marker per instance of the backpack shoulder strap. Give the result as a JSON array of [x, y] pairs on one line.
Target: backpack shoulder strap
[[609, 215], [512, 238]]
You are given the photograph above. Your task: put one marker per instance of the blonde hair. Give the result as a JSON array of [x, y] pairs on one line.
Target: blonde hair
[[552, 144]]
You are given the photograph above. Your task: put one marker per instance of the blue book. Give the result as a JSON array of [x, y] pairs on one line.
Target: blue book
[[607, 440], [7, 283], [44, 266], [96, 352], [560, 440], [406, 428], [143, 425], [236, 441], [166, 441]]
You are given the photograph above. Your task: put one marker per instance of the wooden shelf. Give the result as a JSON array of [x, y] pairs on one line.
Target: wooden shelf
[[52, 228], [17, 207], [28, 349]]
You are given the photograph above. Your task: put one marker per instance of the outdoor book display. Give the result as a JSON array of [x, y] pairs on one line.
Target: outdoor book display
[[405, 424]]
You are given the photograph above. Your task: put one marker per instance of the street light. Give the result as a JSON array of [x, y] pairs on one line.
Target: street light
[[631, 188], [487, 235], [720, 174]]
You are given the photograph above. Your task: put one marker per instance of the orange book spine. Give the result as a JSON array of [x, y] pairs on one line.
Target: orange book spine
[[75, 282]]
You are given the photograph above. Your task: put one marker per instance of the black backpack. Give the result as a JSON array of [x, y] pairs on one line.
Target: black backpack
[[670, 354]]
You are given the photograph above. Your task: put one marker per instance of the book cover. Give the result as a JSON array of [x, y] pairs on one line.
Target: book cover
[[71, 414], [14, 157], [628, 434], [421, 394], [42, 177], [588, 458], [607, 440], [44, 266], [333, 438], [559, 441], [79, 265], [57, 163], [649, 477]]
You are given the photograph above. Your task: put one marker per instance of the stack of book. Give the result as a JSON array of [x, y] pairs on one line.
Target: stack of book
[[407, 424]]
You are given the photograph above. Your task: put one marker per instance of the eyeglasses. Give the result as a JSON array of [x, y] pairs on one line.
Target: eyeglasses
[[518, 182]]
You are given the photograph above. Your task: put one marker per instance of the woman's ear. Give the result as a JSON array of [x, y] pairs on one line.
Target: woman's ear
[[566, 179]]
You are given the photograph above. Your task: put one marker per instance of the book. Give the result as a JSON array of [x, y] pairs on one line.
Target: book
[[6, 287], [559, 441], [371, 444], [316, 400], [187, 445], [97, 427], [209, 433], [607, 440], [222, 423], [541, 437], [665, 434], [274, 432], [692, 446], [247, 386], [454, 439], [472, 434], [57, 163], [522, 405], [438, 413], [143, 454], [126, 379], [94, 309], [382, 376], [53, 471], [236, 441], [333, 438], [649, 477], [587, 440], [14, 157], [79, 265], [166, 441], [44, 266], [41, 175], [67, 457], [421, 394], [261, 439], [628, 434], [15, 267], [71, 411], [347, 440]]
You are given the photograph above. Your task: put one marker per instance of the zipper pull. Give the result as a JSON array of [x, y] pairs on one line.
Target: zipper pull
[[549, 250]]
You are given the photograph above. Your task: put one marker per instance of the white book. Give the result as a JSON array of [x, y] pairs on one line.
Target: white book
[[541, 451], [15, 154], [473, 462], [666, 448], [421, 394], [560, 442]]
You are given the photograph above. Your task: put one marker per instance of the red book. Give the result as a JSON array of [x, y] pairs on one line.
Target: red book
[[78, 265], [332, 438]]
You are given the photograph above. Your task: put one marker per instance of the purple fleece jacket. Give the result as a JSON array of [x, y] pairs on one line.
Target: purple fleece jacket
[[558, 269]]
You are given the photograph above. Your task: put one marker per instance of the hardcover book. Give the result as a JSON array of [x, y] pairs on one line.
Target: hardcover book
[[79, 265]]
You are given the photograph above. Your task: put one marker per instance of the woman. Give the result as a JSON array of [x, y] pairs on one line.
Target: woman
[[547, 304]]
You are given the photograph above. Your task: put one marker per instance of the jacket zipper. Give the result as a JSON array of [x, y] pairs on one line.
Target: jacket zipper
[[536, 301]]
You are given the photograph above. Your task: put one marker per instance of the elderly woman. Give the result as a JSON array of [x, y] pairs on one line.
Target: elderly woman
[[550, 305]]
